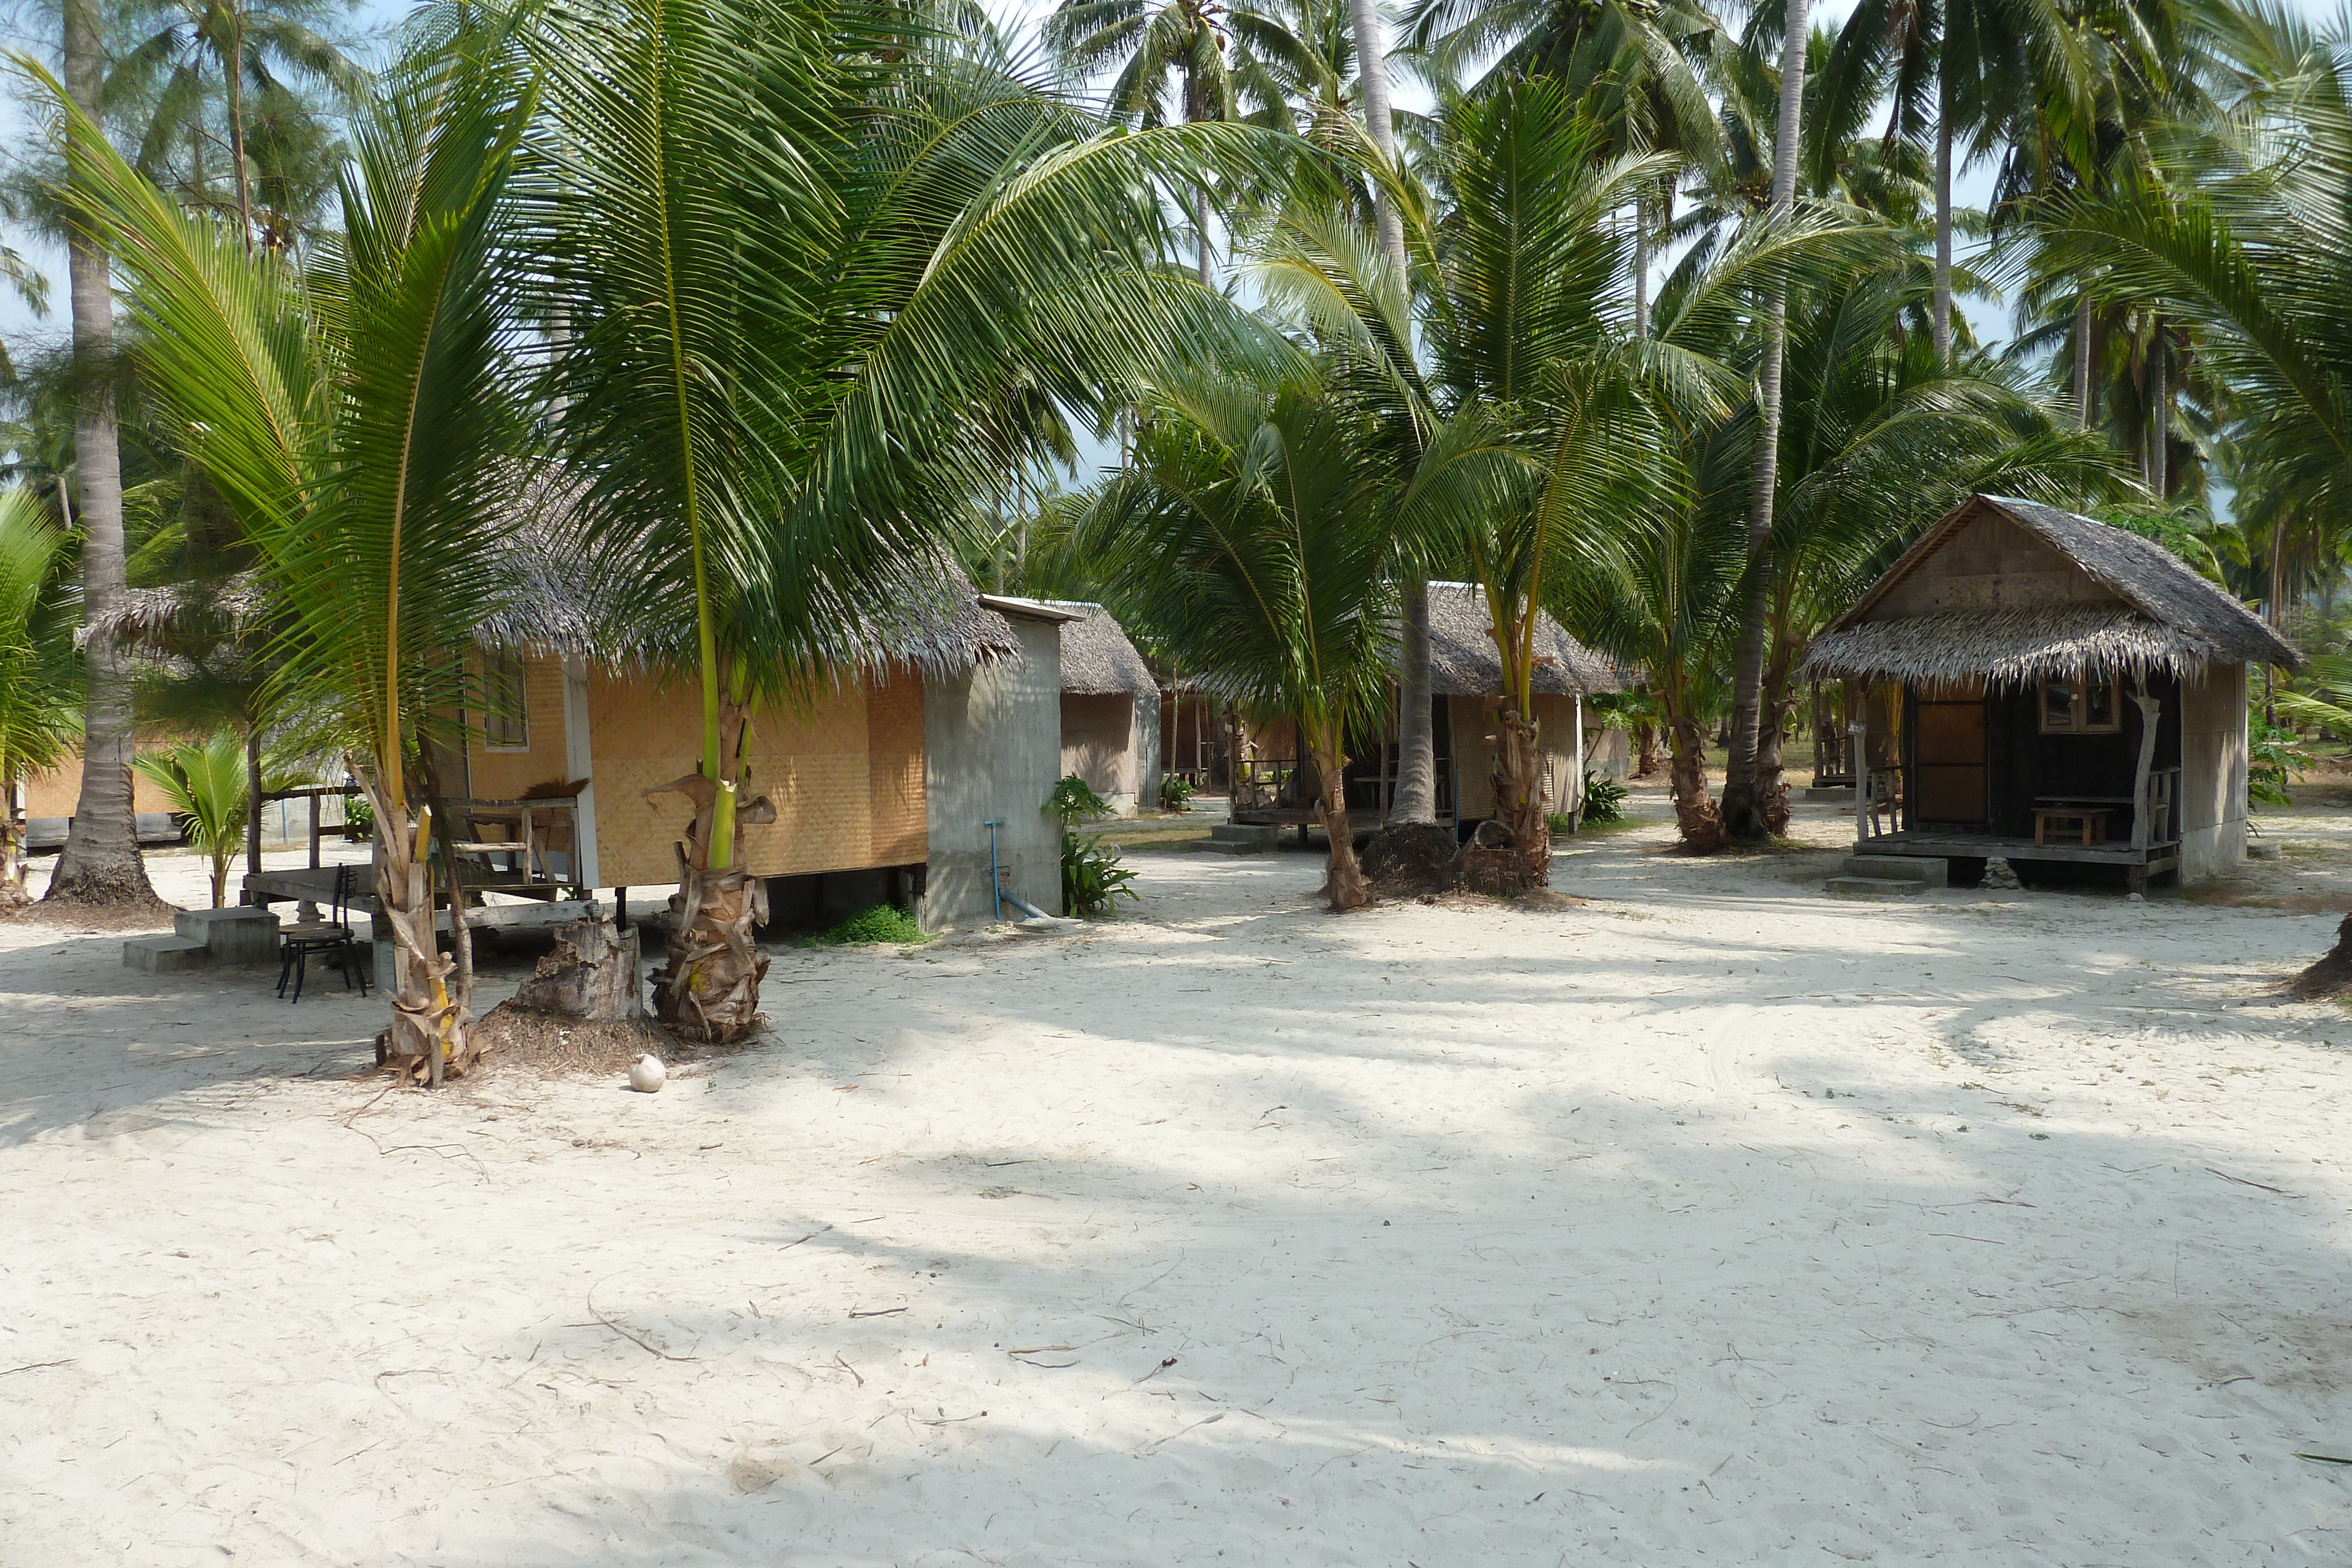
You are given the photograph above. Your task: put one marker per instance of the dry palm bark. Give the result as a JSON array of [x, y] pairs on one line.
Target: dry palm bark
[[1649, 762], [12, 896], [709, 989], [1695, 809], [1343, 880], [1519, 802], [427, 1041], [1771, 776]]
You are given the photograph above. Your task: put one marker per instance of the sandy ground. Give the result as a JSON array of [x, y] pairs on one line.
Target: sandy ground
[[1713, 1221]]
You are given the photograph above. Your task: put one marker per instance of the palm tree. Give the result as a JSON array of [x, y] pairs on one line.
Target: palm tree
[[1742, 808], [100, 863], [255, 62], [357, 418], [209, 791], [2250, 257], [38, 721], [1157, 47], [1252, 536], [793, 286]]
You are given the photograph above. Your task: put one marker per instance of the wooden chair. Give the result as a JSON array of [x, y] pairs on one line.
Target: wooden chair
[[331, 936]]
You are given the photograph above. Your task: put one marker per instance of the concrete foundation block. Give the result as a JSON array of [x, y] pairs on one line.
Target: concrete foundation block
[[1921, 869], [1835, 794], [238, 936], [1240, 838], [1873, 887], [163, 954]]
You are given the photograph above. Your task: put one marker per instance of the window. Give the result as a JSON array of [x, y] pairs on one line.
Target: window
[[2080, 705], [505, 706]]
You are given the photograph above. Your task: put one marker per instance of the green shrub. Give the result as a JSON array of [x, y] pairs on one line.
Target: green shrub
[[873, 927], [1604, 800], [1092, 876], [1560, 823], [2277, 752], [1073, 800], [1176, 792]]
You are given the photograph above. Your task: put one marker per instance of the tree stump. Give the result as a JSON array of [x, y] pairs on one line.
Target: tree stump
[[590, 975]]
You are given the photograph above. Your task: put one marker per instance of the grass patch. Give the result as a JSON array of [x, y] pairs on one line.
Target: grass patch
[[881, 926]]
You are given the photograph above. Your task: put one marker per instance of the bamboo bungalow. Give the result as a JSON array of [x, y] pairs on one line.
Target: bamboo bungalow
[[2045, 688], [915, 776], [1110, 709], [1466, 685]]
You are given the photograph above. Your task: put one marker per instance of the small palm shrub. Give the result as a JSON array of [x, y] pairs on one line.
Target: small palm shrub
[[1604, 800], [1092, 876], [205, 787], [1176, 792]]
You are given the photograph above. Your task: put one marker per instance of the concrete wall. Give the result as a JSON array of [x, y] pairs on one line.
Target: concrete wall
[[992, 748], [1101, 743], [2212, 801]]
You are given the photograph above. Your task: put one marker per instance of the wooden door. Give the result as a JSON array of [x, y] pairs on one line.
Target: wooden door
[[1950, 764]]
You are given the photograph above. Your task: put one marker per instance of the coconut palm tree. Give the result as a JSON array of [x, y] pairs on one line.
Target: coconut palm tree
[[1158, 49], [357, 415], [792, 279], [1252, 534], [207, 788], [100, 863], [2250, 255], [38, 720]]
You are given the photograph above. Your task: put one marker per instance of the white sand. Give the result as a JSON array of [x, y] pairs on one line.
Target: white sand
[[1712, 1222]]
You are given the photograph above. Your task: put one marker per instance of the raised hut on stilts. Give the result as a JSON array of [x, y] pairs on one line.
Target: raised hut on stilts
[[2033, 685]]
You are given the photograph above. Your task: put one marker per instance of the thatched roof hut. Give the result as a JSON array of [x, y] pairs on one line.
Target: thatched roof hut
[[2036, 685], [1463, 662], [2096, 598], [1098, 659]]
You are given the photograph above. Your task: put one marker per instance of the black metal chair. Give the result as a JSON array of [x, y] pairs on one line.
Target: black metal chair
[[330, 935]]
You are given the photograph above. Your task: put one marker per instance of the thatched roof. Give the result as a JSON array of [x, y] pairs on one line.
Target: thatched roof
[[1098, 660], [931, 620], [1463, 662], [2162, 615]]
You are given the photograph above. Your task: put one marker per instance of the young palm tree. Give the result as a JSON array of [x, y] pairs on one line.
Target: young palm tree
[[794, 275], [209, 792], [38, 720], [356, 417], [1253, 536]]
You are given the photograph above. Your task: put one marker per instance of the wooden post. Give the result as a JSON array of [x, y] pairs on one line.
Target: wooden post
[[1855, 738], [315, 809], [2148, 710], [1576, 787]]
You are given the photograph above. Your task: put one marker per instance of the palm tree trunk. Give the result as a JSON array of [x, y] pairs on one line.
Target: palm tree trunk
[[2159, 414], [1416, 800], [708, 987], [1742, 817], [1647, 762], [253, 798], [12, 896], [1941, 321], [1640, 267], [1343, 879], [2083, 361], [233, 67], [101, 862], [1519, 794], [1695, 813], [1772, 786], [427, 1041]]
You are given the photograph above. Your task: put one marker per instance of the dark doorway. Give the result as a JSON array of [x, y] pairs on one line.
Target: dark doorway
[[1950, 733]]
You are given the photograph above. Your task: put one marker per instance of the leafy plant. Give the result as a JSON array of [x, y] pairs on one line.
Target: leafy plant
[[1092, 875], [2275, 753], [1605, 799], [359, 817], [881, 926], [1176, 792], [205, 786], [1073, 800]]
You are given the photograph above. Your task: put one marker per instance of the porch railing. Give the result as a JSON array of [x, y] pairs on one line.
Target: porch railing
[[1881, 808], [2155, 816]]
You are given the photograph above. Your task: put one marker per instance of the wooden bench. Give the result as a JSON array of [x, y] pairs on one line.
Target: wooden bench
[[2091, 822]]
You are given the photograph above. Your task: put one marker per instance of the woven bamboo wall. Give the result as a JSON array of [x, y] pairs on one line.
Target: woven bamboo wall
[[844, 768]]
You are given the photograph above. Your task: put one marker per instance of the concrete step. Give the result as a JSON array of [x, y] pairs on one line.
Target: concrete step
[[1815, 794], [1240, 838], [1873, 887], [241, 934], [163, 954], [1900, 868]]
